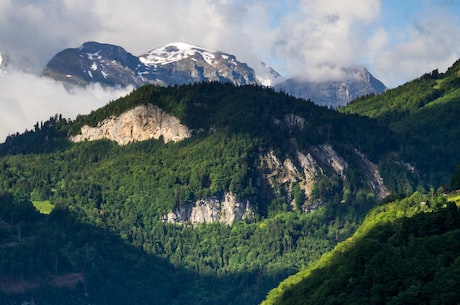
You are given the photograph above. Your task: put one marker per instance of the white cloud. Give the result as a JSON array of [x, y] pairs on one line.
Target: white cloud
[[324, 35], [26, 99], [429, 42]]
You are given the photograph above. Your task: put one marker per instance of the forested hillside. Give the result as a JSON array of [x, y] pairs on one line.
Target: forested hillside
[[423, 115], [106, 230], [405, 252]]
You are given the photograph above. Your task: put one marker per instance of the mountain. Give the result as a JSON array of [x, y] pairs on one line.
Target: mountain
[[181, 63], [172, 64], [233, 187], [210, 193], [94, 62], [405, 252], [358, 82], [178, 114]]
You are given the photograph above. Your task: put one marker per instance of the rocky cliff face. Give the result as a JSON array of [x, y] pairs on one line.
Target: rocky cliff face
[[282, 175], [373, 178], [305, 169], [211, 210], [138, 124]]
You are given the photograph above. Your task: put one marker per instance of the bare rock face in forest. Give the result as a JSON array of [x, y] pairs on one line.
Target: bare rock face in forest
[[138, 124], [211, 210]]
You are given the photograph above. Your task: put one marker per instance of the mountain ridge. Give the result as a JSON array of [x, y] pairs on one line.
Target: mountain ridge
[[172, 64], [182, 63]]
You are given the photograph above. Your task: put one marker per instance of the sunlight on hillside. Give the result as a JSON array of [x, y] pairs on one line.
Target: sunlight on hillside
[[455, 198], [44, 207]]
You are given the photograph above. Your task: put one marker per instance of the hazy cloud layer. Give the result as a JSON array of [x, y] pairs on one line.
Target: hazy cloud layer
[[312, 38], [26, 99]]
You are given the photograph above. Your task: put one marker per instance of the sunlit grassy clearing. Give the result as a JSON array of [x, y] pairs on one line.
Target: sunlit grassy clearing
[[44, 207]]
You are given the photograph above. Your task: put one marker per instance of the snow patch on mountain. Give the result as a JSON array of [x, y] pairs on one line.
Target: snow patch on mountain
[[176, 51]]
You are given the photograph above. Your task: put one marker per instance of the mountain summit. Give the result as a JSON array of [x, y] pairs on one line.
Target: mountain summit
[[181, 63], [95, 62]]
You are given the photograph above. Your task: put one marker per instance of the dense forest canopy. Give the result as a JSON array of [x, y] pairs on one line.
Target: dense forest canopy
[[423, 115], [405, 252]]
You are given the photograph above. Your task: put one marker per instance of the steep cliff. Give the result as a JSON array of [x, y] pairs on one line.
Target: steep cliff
[[307, 167], [138, 124], [210, 210], [373, 178], [281, 175]]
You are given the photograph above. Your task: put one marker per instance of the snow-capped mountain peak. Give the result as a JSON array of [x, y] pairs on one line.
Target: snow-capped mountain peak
[[173, 64], [177, 51]]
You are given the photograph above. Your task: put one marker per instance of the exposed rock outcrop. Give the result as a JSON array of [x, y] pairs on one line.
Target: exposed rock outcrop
[[305, 169], [211, 210], [373, 178], [282, 175], [328, 156], [138, 124]]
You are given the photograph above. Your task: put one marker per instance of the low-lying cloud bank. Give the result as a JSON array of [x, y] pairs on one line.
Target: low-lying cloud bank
[[26, 99]]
